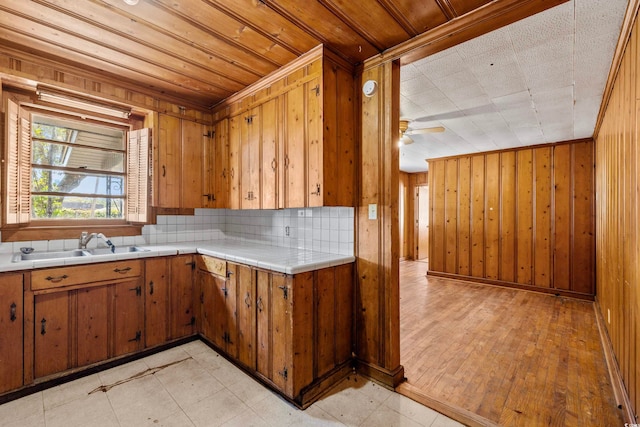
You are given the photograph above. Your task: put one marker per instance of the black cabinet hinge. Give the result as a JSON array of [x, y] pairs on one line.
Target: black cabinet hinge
[[285, 291]]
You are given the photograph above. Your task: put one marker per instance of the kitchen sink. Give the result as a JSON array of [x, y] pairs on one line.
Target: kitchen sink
[[118, 250], [34, 256]]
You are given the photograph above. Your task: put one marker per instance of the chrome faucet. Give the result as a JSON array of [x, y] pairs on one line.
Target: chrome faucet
[[85, 238]]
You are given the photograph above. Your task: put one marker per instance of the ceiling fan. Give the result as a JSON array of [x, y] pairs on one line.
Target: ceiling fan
[[405, 131]]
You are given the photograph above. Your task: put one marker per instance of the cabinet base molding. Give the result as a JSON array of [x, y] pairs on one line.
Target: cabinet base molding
[[384, 377], [74, 374], [505, 284], [314, 391]]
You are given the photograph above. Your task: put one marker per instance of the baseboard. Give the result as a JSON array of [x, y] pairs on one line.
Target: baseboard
[[384, 377], [513, 285], [461, 415], [619, 390]]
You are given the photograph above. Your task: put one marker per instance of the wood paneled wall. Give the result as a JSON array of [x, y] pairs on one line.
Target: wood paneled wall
[[408, 230], [618, 221], [521, 218]]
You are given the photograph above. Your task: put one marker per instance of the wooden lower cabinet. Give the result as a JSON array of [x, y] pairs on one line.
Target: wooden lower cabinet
[[128, 319], [53, 334], [183, 313], [93, 327], [11, 331], [292, 331]]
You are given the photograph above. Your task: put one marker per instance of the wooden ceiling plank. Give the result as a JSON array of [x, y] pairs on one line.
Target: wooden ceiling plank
[[315, 19], [360, 18], [489, 17], [113, 20], [264, 20], [128, 54], [24, 61], [222, 26], [461, 7], [421, 15], [447, 9], [168, 23], [97, 57]]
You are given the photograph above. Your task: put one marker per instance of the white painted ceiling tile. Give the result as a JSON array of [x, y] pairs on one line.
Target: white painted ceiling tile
[[492, 41], [545, 84]]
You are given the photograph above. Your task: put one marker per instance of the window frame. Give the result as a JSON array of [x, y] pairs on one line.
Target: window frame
[[22, 227]]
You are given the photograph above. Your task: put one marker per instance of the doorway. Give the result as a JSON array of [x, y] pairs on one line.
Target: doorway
[[422, 223]]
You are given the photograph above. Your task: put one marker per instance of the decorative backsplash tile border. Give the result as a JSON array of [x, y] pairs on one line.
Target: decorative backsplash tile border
[[325, 229]]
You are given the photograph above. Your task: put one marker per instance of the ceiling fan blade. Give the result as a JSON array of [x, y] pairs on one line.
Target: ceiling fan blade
[[436, 129], [406, 140]]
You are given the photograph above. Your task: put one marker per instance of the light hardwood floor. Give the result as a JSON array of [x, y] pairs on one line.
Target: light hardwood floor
[[502, 356]]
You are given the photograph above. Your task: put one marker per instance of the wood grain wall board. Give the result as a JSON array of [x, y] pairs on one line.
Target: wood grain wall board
[[508, 210], [508, 205], [477, 216], [562, 210], [492, 216], [524, 217], [617, 158], [542, 255], [464, 217], [451, 216]]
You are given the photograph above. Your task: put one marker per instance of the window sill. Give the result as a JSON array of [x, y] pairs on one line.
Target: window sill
[[56, 232]]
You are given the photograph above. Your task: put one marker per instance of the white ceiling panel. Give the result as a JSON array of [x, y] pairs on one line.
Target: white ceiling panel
[[539, 80]]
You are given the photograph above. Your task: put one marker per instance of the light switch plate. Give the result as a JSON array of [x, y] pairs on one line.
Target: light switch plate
[[373, 211]]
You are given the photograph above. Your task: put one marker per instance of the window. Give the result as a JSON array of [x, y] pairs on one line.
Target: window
[[63, 169]]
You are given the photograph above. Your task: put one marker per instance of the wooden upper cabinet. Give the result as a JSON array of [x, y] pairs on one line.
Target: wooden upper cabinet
[[216, 167], [306, 136], [234, 162], [179, 165]]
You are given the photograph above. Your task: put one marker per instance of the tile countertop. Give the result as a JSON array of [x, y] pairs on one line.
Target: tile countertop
[[275, 258]]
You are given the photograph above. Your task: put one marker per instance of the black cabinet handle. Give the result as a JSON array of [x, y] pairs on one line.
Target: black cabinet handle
[[164, 171], [56, 279], [12, 312], [43, 326], [247, 300], [151, 287], [259, 304]]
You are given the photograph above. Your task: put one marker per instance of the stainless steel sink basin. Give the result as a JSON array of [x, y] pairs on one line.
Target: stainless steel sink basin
[[118, 250], [74, 253], [48, 255]]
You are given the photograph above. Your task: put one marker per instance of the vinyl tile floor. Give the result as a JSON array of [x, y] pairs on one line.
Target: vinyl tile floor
[[191, 385]]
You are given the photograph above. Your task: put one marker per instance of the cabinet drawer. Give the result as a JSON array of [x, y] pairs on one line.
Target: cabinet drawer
[[213, 265], [77, 275]]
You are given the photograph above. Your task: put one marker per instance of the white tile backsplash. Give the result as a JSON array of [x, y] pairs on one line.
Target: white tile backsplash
[[326, 229]]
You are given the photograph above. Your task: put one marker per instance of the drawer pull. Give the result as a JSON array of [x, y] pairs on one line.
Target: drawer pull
[[121, 270], [43, 326], [56, 279], [12, 312]]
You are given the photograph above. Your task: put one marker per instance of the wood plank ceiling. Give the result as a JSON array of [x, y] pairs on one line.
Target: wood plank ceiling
[[205, 50]]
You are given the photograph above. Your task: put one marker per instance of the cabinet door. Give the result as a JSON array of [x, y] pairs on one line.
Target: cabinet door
[[294, 153], [235, 133], [274, 329], [92, 325], [221, 165], [156, 301], [52, 334], [128, 320], [269, 151], [167, 191], [250, 159], [183, 317], [220, 315], [191, 164], [11, 332], [206, 285], [244, 295], [315, 149]]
